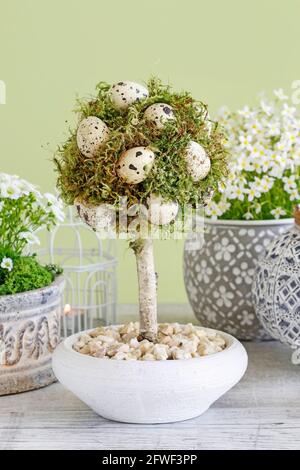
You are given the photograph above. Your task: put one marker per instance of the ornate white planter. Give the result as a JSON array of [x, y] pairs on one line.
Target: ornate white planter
[[219, 274], [29, 332], [149, 391]]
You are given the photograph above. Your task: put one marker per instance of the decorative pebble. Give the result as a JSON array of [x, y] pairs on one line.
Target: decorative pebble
[[174, 341]]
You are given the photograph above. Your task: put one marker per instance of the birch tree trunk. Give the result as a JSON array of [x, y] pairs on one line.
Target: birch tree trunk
[[147, 288]]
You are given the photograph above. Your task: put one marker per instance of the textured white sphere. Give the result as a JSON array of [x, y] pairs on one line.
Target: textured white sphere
[[91, 134], [123, 94], [197, 161], [160, 212], [134, 164], [159, 114]]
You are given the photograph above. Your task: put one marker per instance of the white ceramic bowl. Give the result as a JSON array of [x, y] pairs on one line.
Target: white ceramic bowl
[[150, 391]]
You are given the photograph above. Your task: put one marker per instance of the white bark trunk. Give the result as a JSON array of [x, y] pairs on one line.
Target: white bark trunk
[[147, 289]]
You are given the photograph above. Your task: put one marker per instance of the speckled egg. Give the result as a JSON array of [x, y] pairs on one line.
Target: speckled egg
[[159, 114], [160, 212], [134, 164], [91, 134], [123, 94], [101, 217], [197, 161]]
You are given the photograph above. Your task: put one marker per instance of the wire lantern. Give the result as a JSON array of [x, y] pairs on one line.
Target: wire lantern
[[90, 274]]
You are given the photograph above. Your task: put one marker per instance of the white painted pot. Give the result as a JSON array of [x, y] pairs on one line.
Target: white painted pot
[[219, 273], [150, 391]]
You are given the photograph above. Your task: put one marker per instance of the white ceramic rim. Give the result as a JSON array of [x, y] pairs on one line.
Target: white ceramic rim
[[231, 342], [251, 223]]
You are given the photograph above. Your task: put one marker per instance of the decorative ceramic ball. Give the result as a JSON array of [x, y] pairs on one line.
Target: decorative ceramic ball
[[197, 161], [159, 114], [276, 288], [91, 134], [159, 211], [123, 94], [135, 164]]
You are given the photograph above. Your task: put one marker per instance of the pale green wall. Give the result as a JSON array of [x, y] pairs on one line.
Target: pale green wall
[[223, 51]]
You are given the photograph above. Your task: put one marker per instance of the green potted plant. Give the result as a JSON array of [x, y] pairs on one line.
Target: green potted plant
[[254, 206], [30, 294], [158, 150]]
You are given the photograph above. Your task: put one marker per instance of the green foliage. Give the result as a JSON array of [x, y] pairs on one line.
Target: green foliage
[[27, 274], [94, 180]]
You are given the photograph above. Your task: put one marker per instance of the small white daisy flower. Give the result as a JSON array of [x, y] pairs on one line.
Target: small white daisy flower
[[7, 263]]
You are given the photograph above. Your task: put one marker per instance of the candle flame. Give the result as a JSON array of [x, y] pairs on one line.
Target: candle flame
[[67, 309]]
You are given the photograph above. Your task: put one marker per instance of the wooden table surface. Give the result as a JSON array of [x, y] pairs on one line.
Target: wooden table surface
[[261, 412]]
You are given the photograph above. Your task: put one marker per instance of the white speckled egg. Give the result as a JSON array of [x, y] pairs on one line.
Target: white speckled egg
[[159, 114], [197, 161], [102, 217], [123, 94], [134, 164], [91, 134], [160, 212]]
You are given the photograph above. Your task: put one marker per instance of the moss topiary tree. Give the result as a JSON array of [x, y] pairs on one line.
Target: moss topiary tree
[[151, 145]]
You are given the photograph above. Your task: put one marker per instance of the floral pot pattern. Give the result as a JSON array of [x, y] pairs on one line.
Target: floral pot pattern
[[29, 333], [219, 274]]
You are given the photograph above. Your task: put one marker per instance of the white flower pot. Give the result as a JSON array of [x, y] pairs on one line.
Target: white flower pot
[[219, 273], [29, 332], [149, 391]]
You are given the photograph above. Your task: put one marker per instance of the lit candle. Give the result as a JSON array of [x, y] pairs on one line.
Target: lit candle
[[67, 309]]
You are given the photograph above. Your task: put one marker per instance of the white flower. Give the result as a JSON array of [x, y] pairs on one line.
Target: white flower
[[30, 238], [248, 216], [246, 112], [257, 208], [245, 141], [289, 183], [1, 205], [278, 212], [280, 94], [7, 263], [265, 184], [237, 192], [253, 191], [212, 210], [10, 190], [294, 195], [267, 108]]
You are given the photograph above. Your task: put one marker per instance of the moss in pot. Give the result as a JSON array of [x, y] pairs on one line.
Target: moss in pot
[[246, 214], [158, 151], [30, 293]]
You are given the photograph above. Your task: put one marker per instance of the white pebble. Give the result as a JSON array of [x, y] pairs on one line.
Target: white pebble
[[174, 341]]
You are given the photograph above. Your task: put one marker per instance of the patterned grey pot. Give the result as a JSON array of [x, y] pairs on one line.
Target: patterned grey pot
[[29, 332], [276, 290], [219, 273]]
